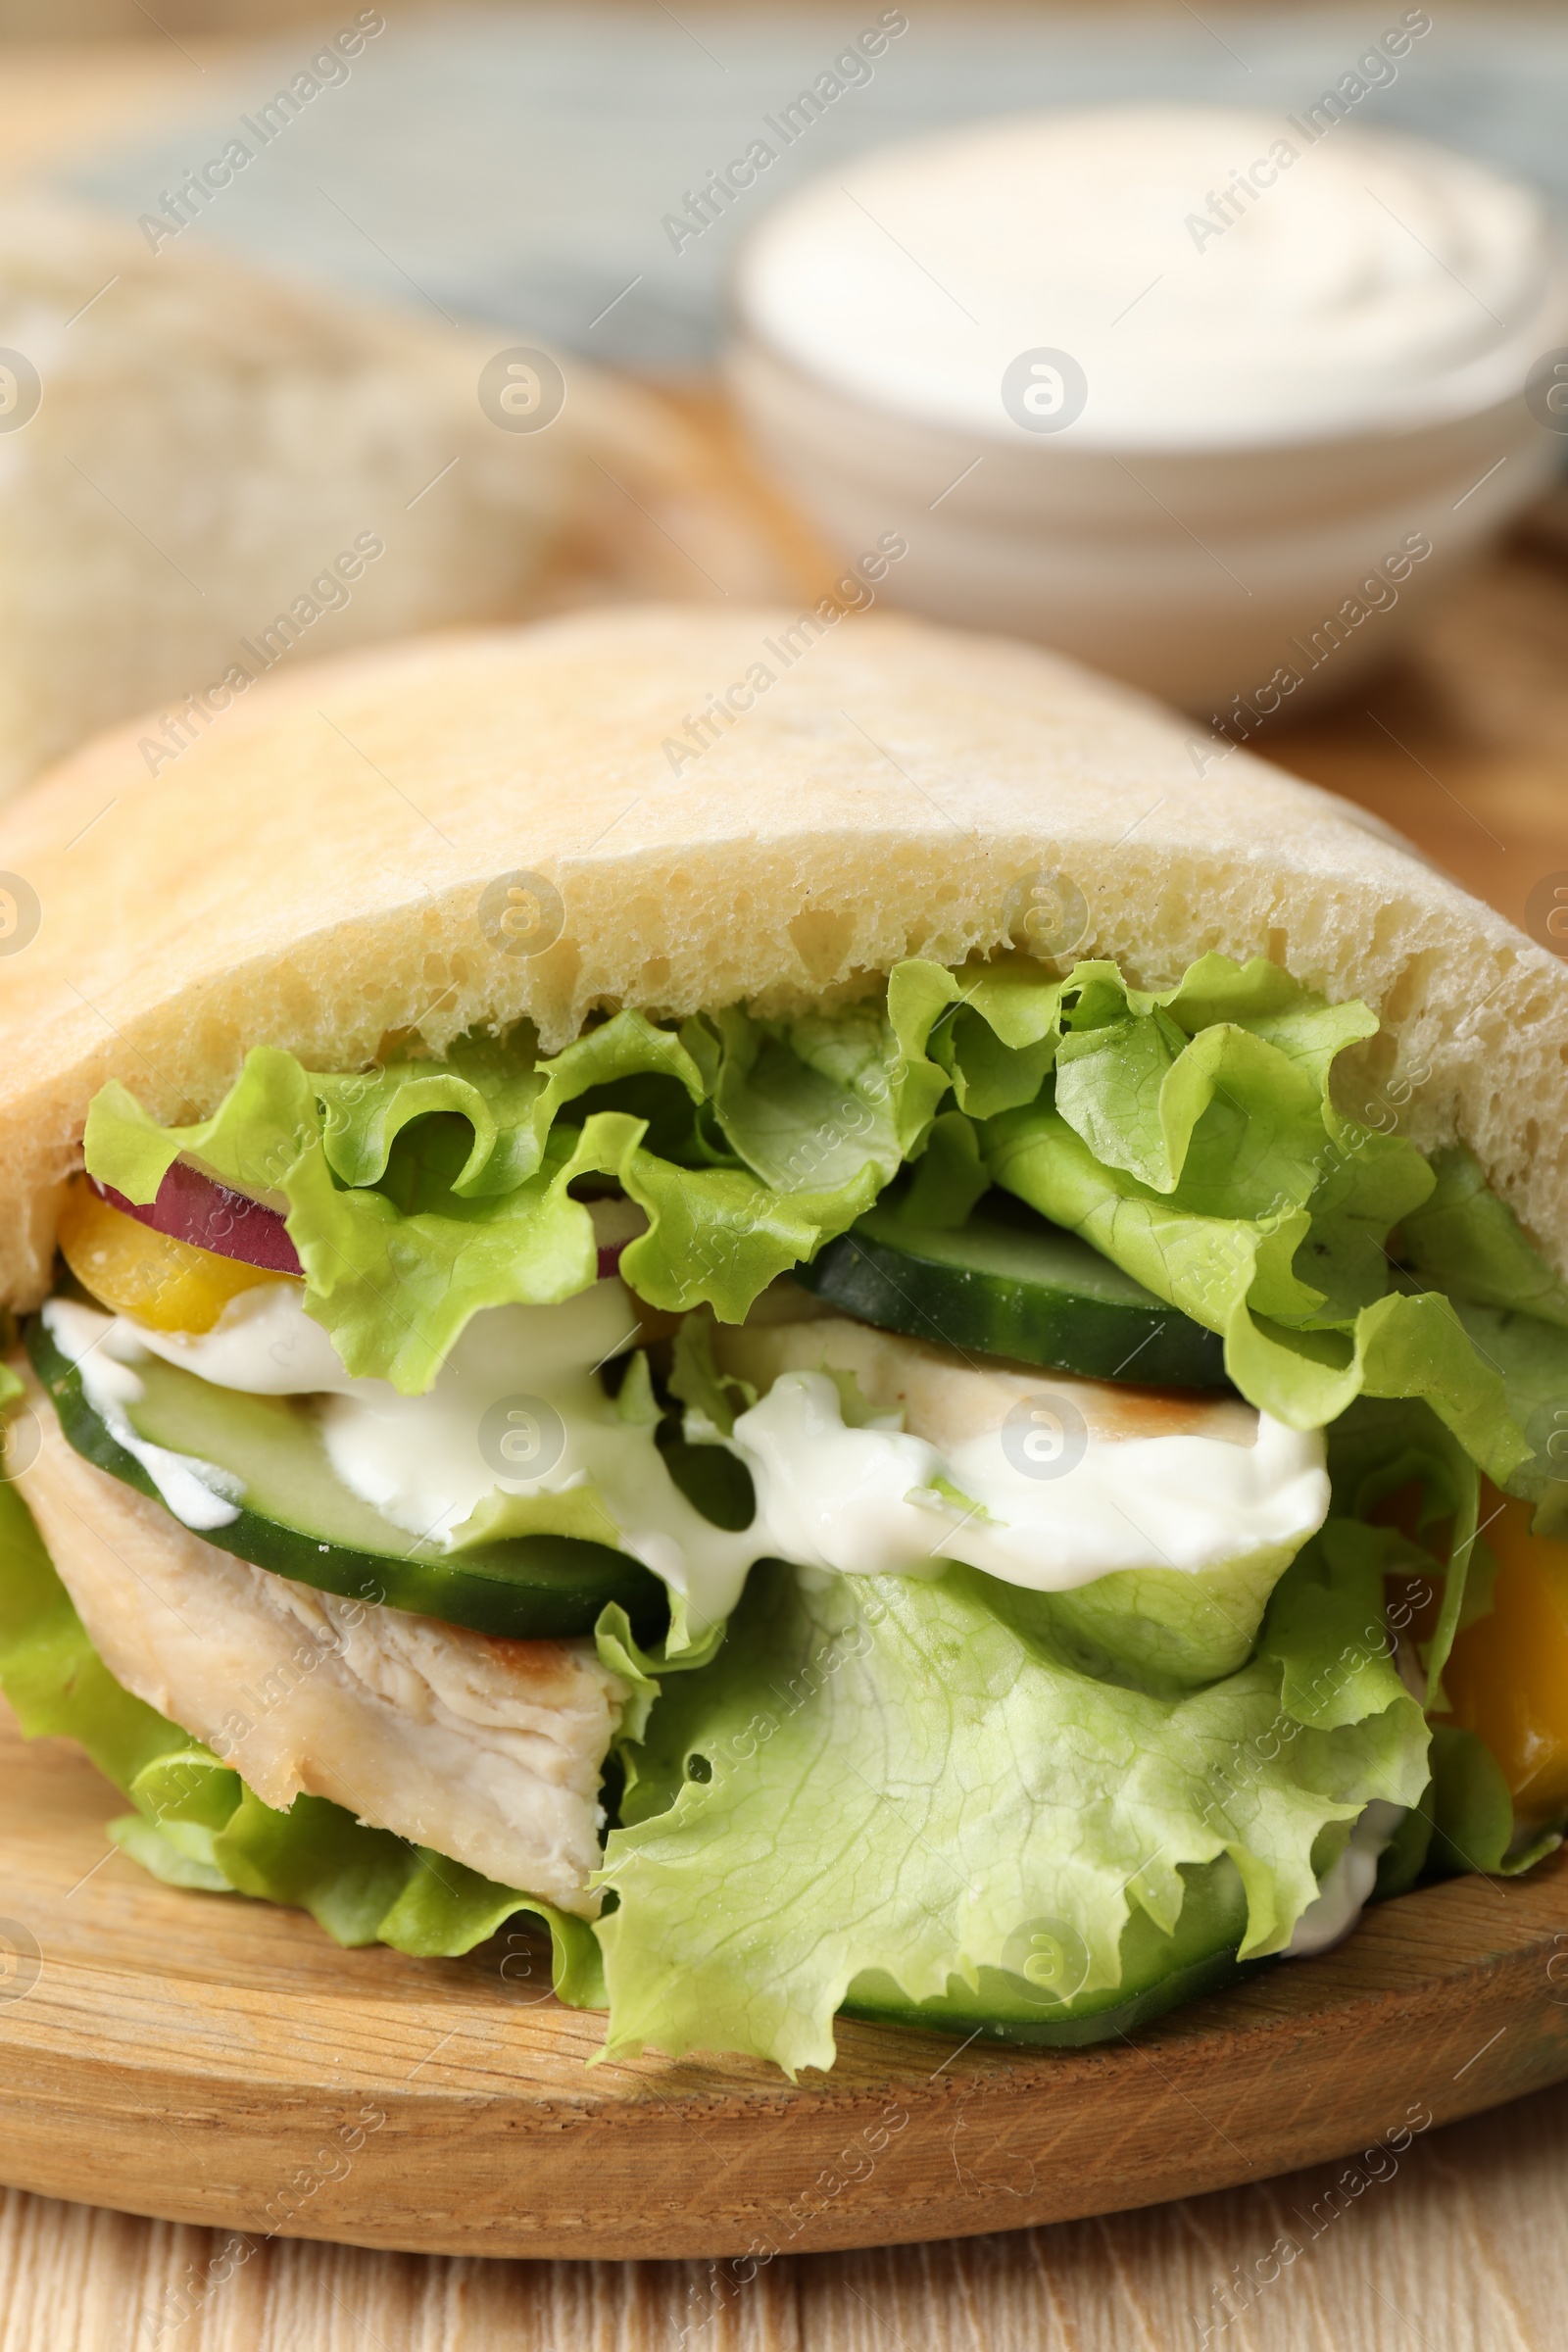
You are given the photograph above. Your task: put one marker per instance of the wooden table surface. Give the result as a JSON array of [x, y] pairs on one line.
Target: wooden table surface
[[1464, 746]]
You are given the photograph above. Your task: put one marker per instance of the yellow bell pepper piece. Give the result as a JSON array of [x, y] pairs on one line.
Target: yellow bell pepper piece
[[1507, 1677], [168, 1284]]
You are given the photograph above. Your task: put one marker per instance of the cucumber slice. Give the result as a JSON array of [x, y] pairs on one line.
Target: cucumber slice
[[1158, 1971], [299, 1520], [1011, 1285]]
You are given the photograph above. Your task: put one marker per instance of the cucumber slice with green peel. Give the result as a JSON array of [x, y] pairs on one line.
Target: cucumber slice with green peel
[[1011, 1285], [298, 1519], [1158, 1971]]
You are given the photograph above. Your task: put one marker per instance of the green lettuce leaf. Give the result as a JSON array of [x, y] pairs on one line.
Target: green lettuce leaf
[[1169, 1628], [508, 1102], [1192, 1136], [948, 1179], [1235, 1274], [419, 1193], [715, 1237], [1465, 1241], [808, 1103], [1378, 1450], [394, 1287], [681, 1651], [1468, 1243], [1530, 1359], [196, 1824], [696, 1382], [1470, 1811], [892, 1776], [1001, 1040]]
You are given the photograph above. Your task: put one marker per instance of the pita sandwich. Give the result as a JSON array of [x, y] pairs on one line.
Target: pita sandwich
[[799, 1293]]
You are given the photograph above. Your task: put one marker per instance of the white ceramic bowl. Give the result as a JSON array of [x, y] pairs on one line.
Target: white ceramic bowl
[[1232, 553]]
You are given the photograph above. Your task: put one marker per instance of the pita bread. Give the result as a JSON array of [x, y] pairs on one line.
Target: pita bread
[[313, 872], [226, 468]]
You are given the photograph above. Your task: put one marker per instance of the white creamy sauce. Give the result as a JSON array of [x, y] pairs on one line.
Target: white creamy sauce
[[104, 1349], [1345, 1888], [1036, 1477], [263, 1344], [1220, 275], [865, 1501], [418, 1459], [880, 1499]]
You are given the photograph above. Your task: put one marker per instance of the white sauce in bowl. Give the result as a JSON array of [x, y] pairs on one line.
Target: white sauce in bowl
[[1222, 277]]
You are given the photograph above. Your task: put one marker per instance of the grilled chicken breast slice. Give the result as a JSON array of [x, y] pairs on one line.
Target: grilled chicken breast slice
[[484, 1749], [948, 1398]]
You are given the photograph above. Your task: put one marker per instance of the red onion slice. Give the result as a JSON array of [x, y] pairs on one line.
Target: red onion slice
[[616, 1222], [197, 1209]]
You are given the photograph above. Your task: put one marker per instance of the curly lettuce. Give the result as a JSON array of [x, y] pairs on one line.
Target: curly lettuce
[[422, 1190], [1191, 1134], [1468, 1243], [890, 1777]]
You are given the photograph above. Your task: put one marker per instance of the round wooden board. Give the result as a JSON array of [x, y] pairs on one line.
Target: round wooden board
[[212, 2060]]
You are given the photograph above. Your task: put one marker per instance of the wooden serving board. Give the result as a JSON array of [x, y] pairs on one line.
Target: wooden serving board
[[208, 2059]]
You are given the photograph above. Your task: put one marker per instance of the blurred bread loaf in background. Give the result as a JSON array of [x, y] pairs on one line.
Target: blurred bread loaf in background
[[205, 470]]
